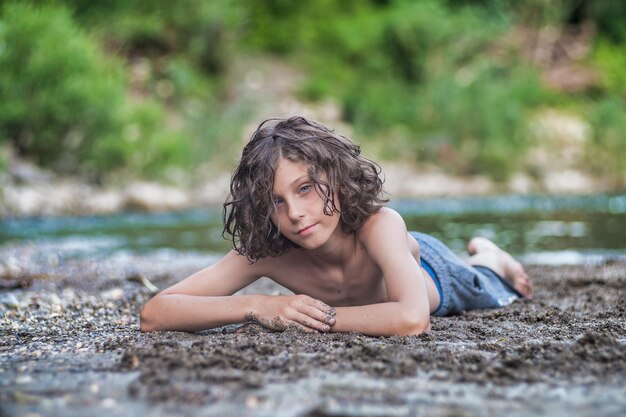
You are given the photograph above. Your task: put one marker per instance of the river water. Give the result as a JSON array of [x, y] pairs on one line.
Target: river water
[[538, 229]]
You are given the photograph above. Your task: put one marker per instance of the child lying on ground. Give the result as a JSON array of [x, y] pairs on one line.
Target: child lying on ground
[[306, 210]]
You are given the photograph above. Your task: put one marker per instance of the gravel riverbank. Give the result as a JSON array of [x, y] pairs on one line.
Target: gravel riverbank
[[70, 346]]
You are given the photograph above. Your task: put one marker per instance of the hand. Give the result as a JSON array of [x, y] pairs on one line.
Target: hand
[[279, 312]]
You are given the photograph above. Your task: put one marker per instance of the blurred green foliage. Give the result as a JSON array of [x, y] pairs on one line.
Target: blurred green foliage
[[610, 59], [147, 85], [607, 151], [60, 93], [410, 65]]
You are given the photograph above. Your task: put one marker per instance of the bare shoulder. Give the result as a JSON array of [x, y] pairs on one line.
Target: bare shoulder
[[383, 222], [383, 228], [386, 229]]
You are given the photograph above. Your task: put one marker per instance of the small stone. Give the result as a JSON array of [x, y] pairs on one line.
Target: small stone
[[155, 197], [252, 401], [24, 398], [23, 379], [54, 299], [108, 403], [9, 300], [114, 294], [134, 362], [10, 267]]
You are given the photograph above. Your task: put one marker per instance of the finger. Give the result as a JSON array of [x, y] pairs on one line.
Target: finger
[[310, 323], [318, 315], [326, 308], [281, 324], [300, 327], [526, 289], [320, 305]]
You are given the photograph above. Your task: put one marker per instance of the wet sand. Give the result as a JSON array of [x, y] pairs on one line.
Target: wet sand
[[70, 346]]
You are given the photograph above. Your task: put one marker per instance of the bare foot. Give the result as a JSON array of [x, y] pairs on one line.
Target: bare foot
[[485, 252]]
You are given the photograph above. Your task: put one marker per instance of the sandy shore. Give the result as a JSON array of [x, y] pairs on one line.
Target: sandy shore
[[70, 346]]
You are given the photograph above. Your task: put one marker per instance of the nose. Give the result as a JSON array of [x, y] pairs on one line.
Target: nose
[[295, 211]]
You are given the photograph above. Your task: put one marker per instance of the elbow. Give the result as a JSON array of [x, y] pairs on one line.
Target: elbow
[[147, 322], [412, 324]]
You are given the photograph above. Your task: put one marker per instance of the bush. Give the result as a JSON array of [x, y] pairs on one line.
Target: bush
[[202, 32], [441, 78], [482, 118], [609, 17], [144, 148], [607, 151], [425, 68], [610, 59], [60, 94], [284, 26]]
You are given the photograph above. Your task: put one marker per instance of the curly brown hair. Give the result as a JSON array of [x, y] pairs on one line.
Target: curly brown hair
[[335, 167]]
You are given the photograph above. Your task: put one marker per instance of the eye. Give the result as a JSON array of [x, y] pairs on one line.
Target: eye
[[278, 201], [304, 189]]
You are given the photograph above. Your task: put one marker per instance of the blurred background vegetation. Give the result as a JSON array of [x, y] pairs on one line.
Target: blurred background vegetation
[[152, 88]]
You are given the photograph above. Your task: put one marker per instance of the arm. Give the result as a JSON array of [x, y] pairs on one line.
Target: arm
[[407, 311], [204, 300]]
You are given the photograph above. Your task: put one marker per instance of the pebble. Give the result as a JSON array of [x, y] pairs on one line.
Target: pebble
[[9, 300], [108, 403], [24, 398], [68, 294], [252, 401], [114, 294], [10, 266], [23, 379], [153, 196]]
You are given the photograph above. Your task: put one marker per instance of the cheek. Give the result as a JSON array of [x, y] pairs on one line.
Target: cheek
[[275, 218], [312, 198], [279, 219]]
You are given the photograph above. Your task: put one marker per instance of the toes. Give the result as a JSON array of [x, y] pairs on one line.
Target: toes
[[477, 244], [521, 280], [524, 288], [471, 249]]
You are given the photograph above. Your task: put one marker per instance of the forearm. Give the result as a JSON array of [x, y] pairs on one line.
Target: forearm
[[193, 313], [384, 319]]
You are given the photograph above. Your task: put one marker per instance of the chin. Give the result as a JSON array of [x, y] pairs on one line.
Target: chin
[[310, 244]]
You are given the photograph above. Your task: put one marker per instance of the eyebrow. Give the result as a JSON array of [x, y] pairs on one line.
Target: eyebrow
[[297, 180], [300, 179]]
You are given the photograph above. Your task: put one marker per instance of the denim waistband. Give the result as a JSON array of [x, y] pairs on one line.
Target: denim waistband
[[433, 275]]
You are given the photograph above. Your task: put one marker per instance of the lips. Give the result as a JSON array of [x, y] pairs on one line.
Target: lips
[[306, 230]]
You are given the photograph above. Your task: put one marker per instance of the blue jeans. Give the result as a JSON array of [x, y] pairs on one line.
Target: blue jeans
[[463, 286]]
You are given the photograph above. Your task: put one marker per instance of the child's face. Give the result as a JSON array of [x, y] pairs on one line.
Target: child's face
[[299, 208]]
